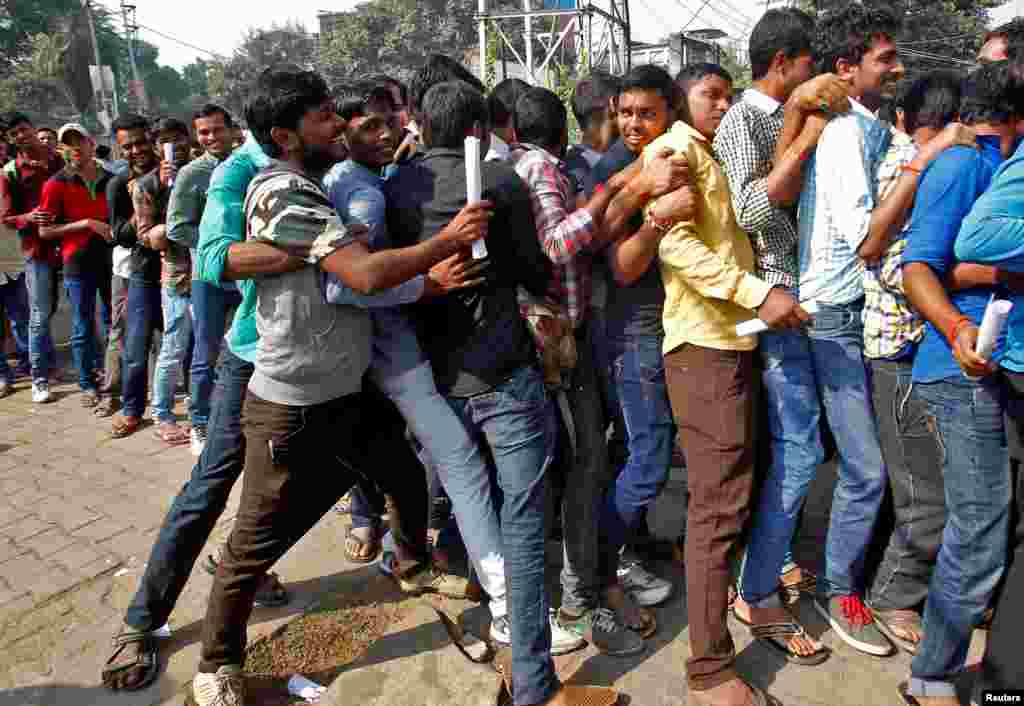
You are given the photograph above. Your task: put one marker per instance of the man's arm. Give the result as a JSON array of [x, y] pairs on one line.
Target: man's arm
[[122, 220], [663, 174], [826, 91], [185, 209], [254, 259], [7, 215], [993, 232], [630, 257], [52, 203]]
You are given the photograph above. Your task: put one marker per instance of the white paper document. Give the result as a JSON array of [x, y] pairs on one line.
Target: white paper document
[[299, 686], [474, 187], [992, 325], [754, 326]]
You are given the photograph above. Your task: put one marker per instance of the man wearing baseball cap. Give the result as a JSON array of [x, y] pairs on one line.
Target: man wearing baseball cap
[[76, 200]]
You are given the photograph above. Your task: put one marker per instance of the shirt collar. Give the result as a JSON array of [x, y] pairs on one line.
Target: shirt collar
[[761, 101], [522, 148], [857, 107]]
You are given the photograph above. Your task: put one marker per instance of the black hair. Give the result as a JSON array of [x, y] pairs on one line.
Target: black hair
[[648, 77], [450, 110], [850, 32], [172, 125], [788, 30], [45, 128], [356, 102], [503, 100], [103, 152], [888, 111], [280, 99], [403, 90], [130, 121], [439, 69], [211, 109], [13, 119], [931, 101], [590, 98], [991, 94], [540, 118]]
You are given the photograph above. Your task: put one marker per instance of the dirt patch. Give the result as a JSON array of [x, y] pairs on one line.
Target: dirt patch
[[321, 643]]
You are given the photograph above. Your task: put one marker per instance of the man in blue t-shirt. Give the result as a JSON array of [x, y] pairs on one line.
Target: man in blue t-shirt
[[964, 396]]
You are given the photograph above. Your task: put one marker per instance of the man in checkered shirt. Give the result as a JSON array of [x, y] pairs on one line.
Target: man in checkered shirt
[[765, 182]]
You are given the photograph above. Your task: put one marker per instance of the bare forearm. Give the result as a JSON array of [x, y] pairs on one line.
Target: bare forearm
[[622, 208], [56, 232], [248, 260], [787, 177], [967, 275], [367, 272], [928, 295], [632, 257], [156, 237], [889, 218], [792, 126]]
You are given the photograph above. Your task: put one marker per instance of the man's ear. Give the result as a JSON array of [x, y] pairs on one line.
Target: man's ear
[[284, 139], [845, 69]]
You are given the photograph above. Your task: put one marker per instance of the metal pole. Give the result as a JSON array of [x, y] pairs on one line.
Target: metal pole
[[96, 52], [482, 36], [528, 37], [130, 29]]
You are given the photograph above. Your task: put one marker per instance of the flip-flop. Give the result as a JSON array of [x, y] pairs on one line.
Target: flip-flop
[[146, 659], [122, 427], [171, 434], [648, 624], [889, 621], [106, 408], [776, 636], [368, 549]]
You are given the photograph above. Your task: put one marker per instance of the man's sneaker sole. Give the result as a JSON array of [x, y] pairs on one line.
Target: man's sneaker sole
[[868, 649]]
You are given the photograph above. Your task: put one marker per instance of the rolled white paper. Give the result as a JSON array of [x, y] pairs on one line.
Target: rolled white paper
[[992, 325], [169, 158], [474, 187], [299, 686], [755, 326]]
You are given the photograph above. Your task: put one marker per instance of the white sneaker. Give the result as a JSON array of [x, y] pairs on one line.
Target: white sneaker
[[225, 688], [562, 641], [41, 392], [6, 388], [198, 440], [643, 587]]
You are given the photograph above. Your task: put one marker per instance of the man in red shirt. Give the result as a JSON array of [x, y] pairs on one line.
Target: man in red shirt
[[76, 200], [21, 186]]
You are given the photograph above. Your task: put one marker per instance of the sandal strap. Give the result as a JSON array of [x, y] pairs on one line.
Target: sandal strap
[[782, 631], [130, 638]]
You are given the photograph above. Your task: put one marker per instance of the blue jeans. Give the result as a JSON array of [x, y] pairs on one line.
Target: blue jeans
[[200, 503], [210, 306], [517, 421], [82, 290], [173, 349], [805, 375], [966, 419], [41, 281], [638, 369], [143, 319], [461, 468], [14, 306]]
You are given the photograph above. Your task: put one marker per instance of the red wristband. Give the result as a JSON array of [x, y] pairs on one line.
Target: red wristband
[[957, 327], [599, 188]]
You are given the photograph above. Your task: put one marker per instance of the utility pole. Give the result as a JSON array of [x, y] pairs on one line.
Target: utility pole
[[131, 30], [106, 103]]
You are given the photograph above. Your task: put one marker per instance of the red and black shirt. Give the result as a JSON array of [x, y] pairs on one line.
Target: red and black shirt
[[23, 179], [69, 198]]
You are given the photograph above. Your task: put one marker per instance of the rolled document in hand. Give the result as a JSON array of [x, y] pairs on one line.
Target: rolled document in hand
[[169, 158], [755, 326], [992, 326], [474, 187]]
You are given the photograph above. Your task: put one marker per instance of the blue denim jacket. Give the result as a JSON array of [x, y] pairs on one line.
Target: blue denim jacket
[[993, 234], [222, 225], [357, 195]]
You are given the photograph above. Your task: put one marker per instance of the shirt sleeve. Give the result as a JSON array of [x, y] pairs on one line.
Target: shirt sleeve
[[223, 221], [52, 200], [993, 232], [702, 268], [735, 147], [846, 178], [185, 210], [943, 199], [144, 205], [563, 232], [293, 214]]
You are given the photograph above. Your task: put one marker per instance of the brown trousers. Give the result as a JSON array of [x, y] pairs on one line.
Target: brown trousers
[[712, 394]]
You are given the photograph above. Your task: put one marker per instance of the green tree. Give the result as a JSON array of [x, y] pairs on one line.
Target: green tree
[[196, 77], [739, 69]]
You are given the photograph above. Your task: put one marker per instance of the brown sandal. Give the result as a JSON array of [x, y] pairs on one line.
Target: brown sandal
[[124, 426], [145, 661], [172, 434], [894, 623]]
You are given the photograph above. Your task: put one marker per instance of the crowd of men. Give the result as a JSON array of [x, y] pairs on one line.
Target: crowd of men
[[595, 341]]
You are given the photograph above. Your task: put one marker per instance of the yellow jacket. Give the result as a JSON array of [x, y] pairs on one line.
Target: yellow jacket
[[706, 263]]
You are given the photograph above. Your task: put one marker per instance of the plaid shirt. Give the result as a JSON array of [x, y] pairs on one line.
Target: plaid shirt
[[565, 232], [745, 145], [890, 324]]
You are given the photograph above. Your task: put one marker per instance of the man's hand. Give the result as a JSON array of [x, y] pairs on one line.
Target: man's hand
[[952, 134], [826, 92], [964, 347], [460, 271], [41, 218], [781, 310], [665, 173], [470, 224], [99, 228], [680, 205], [407, 149], [814, 125], [167, 172]]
